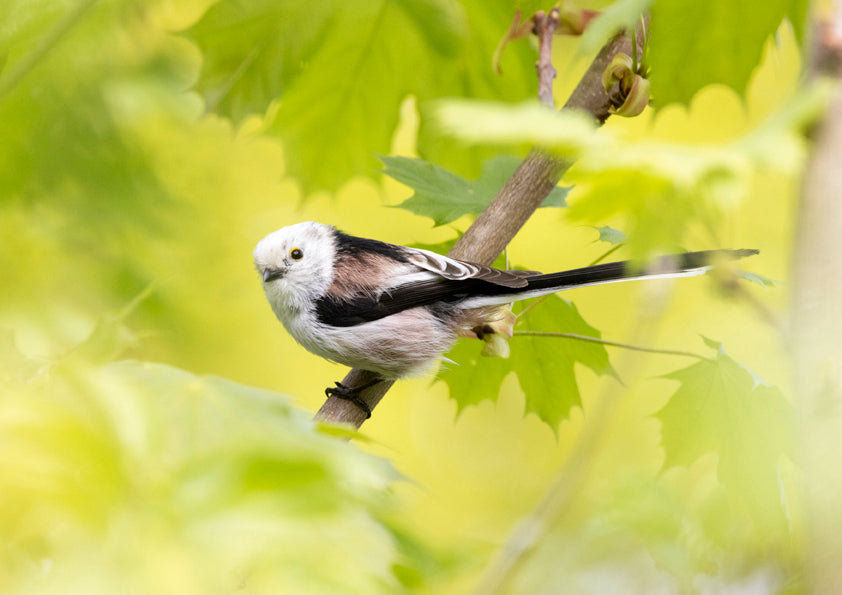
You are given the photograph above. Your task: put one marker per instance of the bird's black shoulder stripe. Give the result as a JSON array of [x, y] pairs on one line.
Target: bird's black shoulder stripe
[[366, 308], [355, 246]]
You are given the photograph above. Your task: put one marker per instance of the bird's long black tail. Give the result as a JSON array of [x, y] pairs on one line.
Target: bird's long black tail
[[685, 264], [677, 265]]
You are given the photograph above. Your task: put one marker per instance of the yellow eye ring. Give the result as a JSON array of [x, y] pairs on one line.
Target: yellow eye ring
[[296, 254]]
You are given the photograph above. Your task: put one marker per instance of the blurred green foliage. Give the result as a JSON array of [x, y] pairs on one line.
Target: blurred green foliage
[[148, 144], [144, 475]]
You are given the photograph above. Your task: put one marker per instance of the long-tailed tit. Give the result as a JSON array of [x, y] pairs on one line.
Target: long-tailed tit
[[394, 310]]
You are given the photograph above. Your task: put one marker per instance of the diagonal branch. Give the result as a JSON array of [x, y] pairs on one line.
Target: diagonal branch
[[816, 322], [495, 227]]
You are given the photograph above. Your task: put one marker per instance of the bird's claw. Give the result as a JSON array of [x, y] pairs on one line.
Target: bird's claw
[[349, 394]]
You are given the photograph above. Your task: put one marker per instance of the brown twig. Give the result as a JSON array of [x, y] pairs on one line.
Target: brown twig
[[495, 227], [544, 27]]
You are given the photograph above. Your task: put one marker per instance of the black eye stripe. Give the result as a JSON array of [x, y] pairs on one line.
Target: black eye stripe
[[296, 253]]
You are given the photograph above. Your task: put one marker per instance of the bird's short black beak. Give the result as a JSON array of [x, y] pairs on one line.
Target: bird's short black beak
[[272, 274]]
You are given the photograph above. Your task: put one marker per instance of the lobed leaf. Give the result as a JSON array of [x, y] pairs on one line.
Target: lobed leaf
[[722, 407], [544, 366], [445, 197]]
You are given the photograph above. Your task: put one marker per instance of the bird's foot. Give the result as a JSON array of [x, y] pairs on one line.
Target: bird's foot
[[351, 394]]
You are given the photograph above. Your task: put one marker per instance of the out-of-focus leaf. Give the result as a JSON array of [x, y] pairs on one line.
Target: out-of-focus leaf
[[544, 366], [445, 197], [722, 407], [475, 76], [14, 366], [568, 132], [109, 338], [662, 187], [762, 281], [695, 43], [617, 16], [341, 70], [159, 478], [530, 7], [610, 235], [254, 51], [344, 107], [66, 124]]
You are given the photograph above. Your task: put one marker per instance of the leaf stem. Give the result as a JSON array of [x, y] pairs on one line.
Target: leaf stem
[[610, 251], [611, 343]]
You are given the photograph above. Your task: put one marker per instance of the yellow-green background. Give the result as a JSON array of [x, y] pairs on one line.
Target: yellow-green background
[[468, 479]]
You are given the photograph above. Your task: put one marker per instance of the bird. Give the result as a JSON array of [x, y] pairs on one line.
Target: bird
[[395, 310]]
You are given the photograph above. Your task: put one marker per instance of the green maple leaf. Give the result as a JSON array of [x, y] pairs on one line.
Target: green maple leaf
[[470, 377], [722, 407], [698, 42], [544, 366], [445, 197], [340, 70]]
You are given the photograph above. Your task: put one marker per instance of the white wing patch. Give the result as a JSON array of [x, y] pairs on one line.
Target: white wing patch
[[450, 268]]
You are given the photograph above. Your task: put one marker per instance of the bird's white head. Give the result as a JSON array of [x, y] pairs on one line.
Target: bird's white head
[[296, 264]]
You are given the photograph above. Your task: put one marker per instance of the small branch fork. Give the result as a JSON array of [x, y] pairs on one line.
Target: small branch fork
[[495, 227]]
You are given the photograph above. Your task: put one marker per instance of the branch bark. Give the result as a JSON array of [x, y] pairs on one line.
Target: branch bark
[[495, 227]]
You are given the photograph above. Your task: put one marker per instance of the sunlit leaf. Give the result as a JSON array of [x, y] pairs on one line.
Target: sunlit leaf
[[544, 365], [470, 377]]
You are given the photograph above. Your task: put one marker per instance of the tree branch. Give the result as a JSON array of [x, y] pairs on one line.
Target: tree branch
[[816, 325], [495, 227]]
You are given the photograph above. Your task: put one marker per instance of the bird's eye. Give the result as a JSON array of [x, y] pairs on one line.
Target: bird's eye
[[296, 254]]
